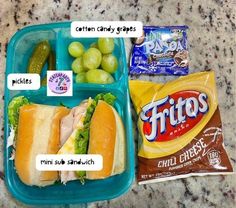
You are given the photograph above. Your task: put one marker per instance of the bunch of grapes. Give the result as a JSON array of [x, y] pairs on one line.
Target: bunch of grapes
[[95, 65]]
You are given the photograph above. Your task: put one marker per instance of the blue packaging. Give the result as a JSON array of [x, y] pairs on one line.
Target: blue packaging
[[161, 50]]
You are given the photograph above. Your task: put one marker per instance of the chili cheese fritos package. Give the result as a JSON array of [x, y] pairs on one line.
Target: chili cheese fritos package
[[180, 127]]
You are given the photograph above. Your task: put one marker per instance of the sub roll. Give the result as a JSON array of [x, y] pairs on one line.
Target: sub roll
[[107, 138], [38, 133]]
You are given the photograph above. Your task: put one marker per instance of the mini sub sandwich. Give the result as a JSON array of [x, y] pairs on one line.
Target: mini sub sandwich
[[38, 132], [94, 127]]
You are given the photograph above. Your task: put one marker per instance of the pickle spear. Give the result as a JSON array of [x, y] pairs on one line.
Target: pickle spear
[[39, 57], [51, 66], [51, 61]]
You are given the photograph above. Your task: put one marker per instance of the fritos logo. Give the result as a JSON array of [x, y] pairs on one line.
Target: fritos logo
[[174, 115]]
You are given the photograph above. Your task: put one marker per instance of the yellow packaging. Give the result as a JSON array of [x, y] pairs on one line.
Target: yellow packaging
[[180, 127]]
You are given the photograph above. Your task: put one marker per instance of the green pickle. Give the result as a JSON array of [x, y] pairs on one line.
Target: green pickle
[[51, 61], [39, 57], [44, 81], [51, 66]]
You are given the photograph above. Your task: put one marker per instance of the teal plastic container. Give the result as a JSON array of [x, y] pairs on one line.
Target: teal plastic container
[[19, 50]]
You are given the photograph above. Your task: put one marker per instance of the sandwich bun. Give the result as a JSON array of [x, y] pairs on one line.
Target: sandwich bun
[[38, 133], [107, 138]]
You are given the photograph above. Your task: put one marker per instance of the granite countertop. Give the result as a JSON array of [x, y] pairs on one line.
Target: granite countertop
[[212, 41]]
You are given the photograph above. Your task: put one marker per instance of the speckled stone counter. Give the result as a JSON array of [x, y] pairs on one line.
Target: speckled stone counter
[[212, 41]]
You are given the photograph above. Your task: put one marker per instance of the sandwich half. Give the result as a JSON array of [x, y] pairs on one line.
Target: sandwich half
[[107, 138], [99, 131], [71, 125], [38, 132]]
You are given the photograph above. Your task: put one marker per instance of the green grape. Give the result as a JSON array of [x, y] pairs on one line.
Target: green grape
[[77, 65], [110, 79], [109, 63], [92, 58], [80, 77], [76, 49], [106, 45], [99, 76], [94, 45]]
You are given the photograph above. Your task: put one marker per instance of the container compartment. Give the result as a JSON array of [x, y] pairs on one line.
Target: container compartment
[[64, 60], [24, 47], [19, 50], [74, 191]]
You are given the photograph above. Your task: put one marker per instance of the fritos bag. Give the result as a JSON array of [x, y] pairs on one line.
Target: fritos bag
[[180, 127]]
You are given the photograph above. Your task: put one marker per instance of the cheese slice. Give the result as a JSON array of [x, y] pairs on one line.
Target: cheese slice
[[69, 145]]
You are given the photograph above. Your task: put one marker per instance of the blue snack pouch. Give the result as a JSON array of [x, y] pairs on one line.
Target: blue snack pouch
[[160, 50]]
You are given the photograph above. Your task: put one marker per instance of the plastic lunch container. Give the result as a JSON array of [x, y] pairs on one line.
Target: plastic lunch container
[[19, 50]]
